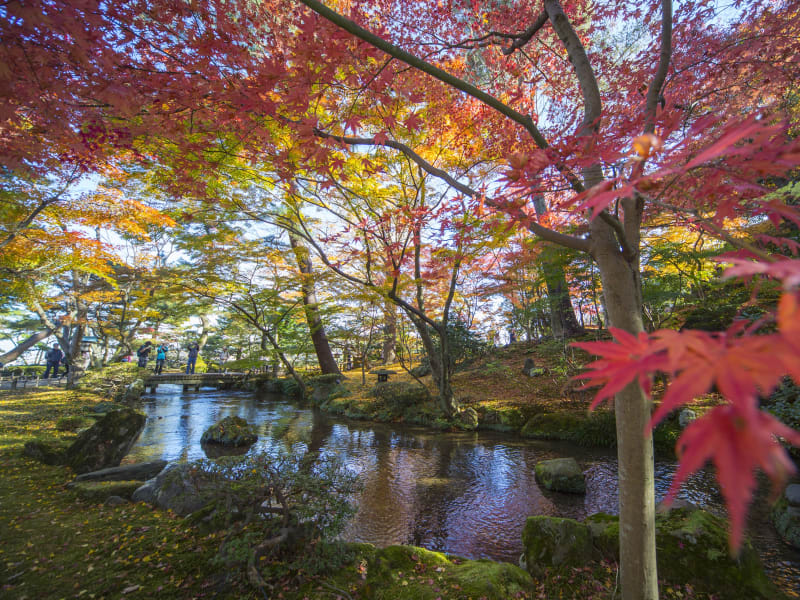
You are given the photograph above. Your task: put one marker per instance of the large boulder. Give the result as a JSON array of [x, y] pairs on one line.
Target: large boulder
[[692, 547], [786, 516], [182, 488], [106, 442], [230, 431], [135, 472], [553, 542], [561, 475]]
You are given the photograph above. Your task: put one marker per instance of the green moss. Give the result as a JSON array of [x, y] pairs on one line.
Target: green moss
[[230, 431], [99, 491], [552, 426], [550, 542], [417, 574], [73, 423], [561, 475], [692, 546]]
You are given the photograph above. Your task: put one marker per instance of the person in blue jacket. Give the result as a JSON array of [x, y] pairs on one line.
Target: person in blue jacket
[[161, 358]]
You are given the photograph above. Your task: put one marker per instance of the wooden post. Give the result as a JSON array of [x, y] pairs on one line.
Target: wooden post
[[13, 382], [185, 387]]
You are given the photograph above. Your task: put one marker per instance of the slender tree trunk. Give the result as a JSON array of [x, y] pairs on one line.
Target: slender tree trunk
[[321, 345], [622, 292], [22, 347]]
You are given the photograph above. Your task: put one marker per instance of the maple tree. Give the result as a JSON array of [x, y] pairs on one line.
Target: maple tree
[[700, 102]]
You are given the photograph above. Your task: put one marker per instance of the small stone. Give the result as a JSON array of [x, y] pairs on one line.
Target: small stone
[[686, 416], [792, 494], [115, 501]]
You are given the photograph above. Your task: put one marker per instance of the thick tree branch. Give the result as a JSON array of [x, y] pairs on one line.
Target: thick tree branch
[[592, 105], [527, 35]]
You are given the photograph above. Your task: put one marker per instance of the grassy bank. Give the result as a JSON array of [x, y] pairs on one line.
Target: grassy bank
[[550, 405]]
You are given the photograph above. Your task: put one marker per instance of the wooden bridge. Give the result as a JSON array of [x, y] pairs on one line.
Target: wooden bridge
[[197, 380]]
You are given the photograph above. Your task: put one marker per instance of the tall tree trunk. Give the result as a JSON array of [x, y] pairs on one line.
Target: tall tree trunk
[[201, 343], [389, 333], [321, 345], [22, 347]]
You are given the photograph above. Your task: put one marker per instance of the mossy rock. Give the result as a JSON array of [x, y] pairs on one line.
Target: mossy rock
[[561, 475], [230, 431], [414, 573], [49, 452], [321, 386], [551, 426], [73, 423], [337, 405], [550, 542], [786, 519], [692, 547], [467, 419], [106, 442], [99, 491], [399, 395]]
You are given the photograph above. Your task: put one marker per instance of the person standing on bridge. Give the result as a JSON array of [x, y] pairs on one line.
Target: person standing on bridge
[[161, 358], [144, 353], [194, 350], [53, 357]]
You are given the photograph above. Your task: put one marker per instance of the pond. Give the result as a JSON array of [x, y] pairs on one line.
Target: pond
[[463, 493]]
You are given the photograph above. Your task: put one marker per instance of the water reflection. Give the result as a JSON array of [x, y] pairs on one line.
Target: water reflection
[[467, 494]]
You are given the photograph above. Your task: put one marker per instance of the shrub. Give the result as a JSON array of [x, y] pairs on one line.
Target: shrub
[[281, 512], [399, 395], [290, 388]]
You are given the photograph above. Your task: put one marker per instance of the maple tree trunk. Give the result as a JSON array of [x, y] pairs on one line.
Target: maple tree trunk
[[637, 539], [390, 334], [321, 346], [440, 371], [22, 347], [562, 315]]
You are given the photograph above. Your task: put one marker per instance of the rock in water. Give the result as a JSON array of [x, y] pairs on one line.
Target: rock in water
[[106, 442], [231, 431], [561, 475]]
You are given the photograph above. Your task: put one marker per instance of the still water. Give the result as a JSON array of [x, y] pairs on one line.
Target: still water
[[463, 493]]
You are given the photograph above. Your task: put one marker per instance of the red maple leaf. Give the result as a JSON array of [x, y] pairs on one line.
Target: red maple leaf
[[737, 440]]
